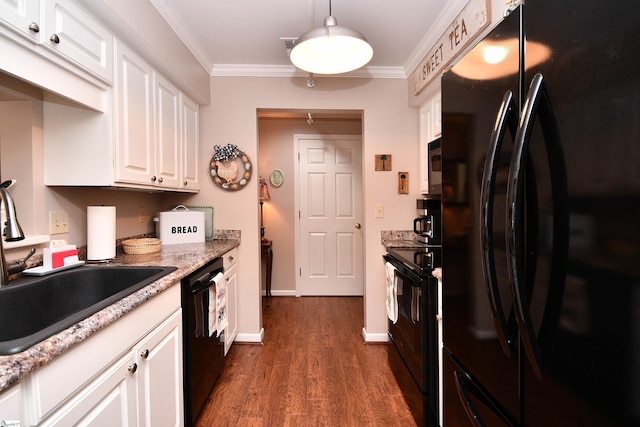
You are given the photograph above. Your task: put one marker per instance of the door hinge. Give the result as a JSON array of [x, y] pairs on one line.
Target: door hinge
[[300, 272]]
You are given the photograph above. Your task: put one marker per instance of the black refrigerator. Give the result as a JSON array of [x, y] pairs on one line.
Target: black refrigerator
[[540, 204]]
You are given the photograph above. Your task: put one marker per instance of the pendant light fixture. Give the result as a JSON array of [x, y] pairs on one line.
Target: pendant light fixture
[[331, 49]]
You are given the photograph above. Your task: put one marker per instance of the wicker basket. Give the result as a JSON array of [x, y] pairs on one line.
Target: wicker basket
[[141, 246]]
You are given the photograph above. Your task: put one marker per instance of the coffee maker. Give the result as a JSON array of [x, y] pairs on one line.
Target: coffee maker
[[427, 225]]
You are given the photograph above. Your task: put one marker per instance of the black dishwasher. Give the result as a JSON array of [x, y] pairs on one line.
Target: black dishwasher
[[203, 349]]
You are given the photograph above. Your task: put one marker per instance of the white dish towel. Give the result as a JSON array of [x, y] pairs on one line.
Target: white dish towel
[[219, 306], [392, 293]]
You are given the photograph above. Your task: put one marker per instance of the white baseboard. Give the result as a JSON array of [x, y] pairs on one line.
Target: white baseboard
[[255, 338], [379, 337], [285, 293]]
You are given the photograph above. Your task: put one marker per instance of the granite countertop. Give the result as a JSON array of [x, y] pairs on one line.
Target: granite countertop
[[399, 239], [186, 257]]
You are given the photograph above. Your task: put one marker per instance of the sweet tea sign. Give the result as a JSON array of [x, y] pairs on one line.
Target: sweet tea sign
[[469, 22]]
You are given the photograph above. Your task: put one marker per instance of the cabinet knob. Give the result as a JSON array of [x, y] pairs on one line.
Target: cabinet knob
[[54, 38], [34, 27], [185, 183], [144, 353], [153, 178], [230, 258], [133, 368], [160, 180], [358, 226]]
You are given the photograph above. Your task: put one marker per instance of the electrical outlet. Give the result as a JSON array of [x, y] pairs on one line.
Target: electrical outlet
[[379, 211], [141, 214], [58, 222]]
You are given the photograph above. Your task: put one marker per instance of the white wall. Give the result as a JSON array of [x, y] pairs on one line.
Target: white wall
[[390, 126]]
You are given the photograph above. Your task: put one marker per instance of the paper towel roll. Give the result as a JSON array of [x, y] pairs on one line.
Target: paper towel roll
[[101, 232]]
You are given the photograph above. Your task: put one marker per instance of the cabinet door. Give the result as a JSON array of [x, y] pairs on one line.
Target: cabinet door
[[159, 375], [76, 35], [167, 147], [135, 119], [22, 17], [109, 400], [190, 144], [231, 280], [11, 406]]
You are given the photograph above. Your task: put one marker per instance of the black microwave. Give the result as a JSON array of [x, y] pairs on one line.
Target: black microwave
[[434, 149]]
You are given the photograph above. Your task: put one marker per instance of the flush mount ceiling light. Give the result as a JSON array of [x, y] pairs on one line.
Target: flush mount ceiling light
[[331, 49]]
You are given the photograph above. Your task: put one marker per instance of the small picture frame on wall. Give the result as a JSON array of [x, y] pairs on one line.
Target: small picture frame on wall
[[383, 162]]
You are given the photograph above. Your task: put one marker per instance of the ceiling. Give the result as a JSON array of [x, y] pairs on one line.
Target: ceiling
[[238, 37]]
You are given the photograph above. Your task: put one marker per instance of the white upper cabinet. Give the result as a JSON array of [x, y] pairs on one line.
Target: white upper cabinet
[[65, 29], [135, 129], [168, 143], [22, 17], [190, 137], [157, 128], [78, 37]]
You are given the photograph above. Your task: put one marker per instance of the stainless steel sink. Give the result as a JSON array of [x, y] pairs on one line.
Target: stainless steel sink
[[33, 309]]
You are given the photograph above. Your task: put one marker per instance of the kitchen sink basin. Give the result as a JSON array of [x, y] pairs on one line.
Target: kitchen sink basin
[[33, 309]]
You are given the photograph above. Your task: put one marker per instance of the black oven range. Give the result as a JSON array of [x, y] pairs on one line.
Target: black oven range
[[414, 350]]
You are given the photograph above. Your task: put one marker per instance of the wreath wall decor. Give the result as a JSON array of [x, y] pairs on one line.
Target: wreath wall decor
[[230, 168]]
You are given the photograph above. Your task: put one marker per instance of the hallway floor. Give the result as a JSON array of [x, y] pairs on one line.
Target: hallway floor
[[312, 370]]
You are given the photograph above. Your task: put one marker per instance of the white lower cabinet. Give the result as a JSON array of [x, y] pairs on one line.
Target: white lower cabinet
[[144, 388], [11, 406], [107, 401], [159, 375], [128, 374], [231, 280]]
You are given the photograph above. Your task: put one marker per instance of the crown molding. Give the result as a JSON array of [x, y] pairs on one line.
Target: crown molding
[[442, 23], [168, 12]]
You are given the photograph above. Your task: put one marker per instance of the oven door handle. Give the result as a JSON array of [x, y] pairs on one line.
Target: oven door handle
[[521, 249], [202, 283], [507, 118]]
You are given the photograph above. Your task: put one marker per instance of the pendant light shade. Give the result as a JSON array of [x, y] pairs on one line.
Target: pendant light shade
[[331, 49]]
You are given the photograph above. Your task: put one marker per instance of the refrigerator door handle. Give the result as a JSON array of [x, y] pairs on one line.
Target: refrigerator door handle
[[467, 386], [507, 118], [537, 104]]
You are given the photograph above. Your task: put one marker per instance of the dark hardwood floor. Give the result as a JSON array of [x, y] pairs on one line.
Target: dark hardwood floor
[[312, 370]]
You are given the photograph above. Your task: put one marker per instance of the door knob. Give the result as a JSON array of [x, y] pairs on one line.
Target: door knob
[[358, 226]]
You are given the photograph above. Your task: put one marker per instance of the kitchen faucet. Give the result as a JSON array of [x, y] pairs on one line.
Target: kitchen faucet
[[12, 232]]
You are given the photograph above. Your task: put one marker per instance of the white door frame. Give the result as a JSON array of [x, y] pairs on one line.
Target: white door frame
[[296, 154]]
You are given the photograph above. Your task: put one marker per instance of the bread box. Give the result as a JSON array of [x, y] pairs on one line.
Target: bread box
[[181, 225]]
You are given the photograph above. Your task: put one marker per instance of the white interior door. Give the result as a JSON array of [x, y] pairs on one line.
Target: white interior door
[[330, 215]]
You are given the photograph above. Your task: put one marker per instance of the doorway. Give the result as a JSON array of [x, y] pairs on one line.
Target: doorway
[[277, 150], [329, 200]]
